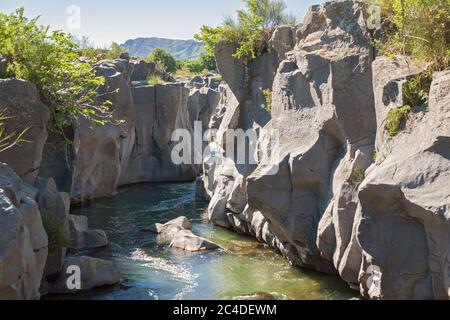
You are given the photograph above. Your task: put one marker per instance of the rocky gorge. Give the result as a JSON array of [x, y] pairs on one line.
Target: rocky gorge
[[381, 223]]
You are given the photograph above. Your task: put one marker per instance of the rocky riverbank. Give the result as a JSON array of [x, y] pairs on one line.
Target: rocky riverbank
[[42, 178], [347, 198]]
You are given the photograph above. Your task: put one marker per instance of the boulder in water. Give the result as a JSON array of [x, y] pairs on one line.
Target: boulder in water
[[188, 241]]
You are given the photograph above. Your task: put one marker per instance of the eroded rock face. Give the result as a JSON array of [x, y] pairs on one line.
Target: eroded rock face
[[20, 100], [54, 207], [322, 108], [102, 152], [23, 240], [81, 237], [134, 147], [403, 218], [382, 224], [160, 111], [142, 70]]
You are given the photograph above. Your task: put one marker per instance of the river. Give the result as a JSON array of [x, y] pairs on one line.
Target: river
[[151, 271]]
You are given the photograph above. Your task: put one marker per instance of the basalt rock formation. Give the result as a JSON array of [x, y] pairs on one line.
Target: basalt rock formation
[[329, 189], [23, 240], [20, 100], [135, 147], [324, 202]]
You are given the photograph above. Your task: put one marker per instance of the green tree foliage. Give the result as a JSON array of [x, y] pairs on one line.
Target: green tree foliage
[[206, 61], [114, 51], [419, 28], [164, 59], [251, 30], [50, 60], [153, 80]]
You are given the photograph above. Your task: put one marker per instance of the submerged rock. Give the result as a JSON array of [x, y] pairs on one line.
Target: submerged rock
[[258, 296]]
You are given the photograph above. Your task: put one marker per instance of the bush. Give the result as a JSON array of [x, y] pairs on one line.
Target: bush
[[419, 28], [206, 61], [417, 88], [164, 59], [395, 118], [268, 95], [358, 177], [153, 80], [58, 237], [253, 27], [114, 51], [50, 60]]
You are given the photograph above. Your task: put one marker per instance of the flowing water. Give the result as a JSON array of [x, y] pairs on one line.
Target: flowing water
[[154, 271]]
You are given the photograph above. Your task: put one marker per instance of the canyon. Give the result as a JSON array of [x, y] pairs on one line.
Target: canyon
[[331, 94]]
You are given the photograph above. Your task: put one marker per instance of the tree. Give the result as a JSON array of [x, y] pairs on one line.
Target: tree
[[163, 58], [251, 30], [206, 61], [50, 60], [115, 51]]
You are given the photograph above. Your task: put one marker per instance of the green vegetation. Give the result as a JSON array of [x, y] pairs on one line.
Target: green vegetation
[[164, 60], [417, 88], [395, 118], [9, 140], [114, 51], [153, 80], [376, 155], [358, 177], [58, 236], [251, 30], [50, 60], [268, 95], [418, 28], [206, 61], [94, 54]]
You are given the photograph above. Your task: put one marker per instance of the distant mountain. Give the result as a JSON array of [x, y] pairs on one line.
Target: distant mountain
[[180, 49]]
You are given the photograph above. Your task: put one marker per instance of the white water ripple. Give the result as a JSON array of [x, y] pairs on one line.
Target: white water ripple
[[178, 272]]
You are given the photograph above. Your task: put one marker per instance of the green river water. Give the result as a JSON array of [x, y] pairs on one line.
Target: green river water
[[151, 271]]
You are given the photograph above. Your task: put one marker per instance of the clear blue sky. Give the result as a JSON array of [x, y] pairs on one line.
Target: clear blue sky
[[104, 21]]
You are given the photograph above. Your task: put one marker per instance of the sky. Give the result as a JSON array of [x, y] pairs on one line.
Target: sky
[[105, 21]]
